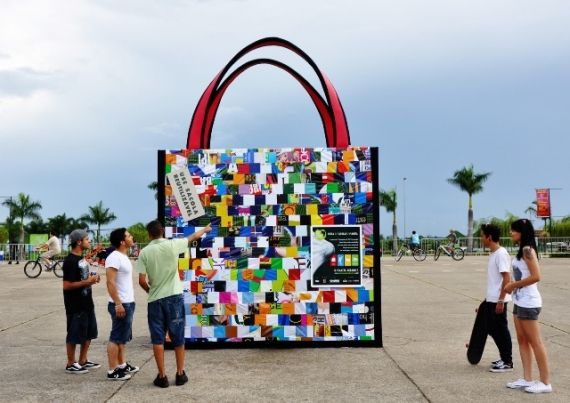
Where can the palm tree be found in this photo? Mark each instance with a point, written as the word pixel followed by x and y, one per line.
pixel 13 230
pixel 99 215
pixel 388 199
pixel 61 224
pixel 469 181
pixel 506 227
pixel 21 208
pixel 531 210
pixel 37 227
pixel 153 186
pixel 75 223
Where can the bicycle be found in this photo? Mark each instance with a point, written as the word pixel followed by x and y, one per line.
pixel 455 254
pixel 418 253
pixel 34 268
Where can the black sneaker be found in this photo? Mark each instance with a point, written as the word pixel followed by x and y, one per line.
pixel 502 367
pixel 496 362
pixel 130 369
pixel 181 379
pixel 90 365
pixel 118 374
pixel 161 382
pixel 75 368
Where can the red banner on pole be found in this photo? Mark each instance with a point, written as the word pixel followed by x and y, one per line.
pixel 543 203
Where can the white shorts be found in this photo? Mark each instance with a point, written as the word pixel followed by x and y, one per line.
pixel 49 254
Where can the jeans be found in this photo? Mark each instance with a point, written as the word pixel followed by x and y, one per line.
pixel 526 313
pixel 498 329
pixel 167 314
pixel 121 329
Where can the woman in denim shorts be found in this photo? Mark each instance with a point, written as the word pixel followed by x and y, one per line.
pixel 527 305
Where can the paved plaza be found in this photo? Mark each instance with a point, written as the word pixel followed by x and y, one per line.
pixel 427 314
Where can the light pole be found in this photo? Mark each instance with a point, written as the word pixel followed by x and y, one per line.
pixel 9 215
pixel 404 199
pixel 551 215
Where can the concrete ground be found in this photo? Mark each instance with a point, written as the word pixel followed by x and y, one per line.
pixel 427 308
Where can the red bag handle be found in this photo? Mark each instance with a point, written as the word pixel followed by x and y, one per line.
pixel 317 99
pixel 202 120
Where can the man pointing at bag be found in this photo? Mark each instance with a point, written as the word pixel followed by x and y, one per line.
pixel 158 276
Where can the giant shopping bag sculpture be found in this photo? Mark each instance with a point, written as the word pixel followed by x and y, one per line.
pixel 293 258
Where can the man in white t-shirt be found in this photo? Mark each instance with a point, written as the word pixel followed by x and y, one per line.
pixel 121 305
pixel 53 248
pixel 498 276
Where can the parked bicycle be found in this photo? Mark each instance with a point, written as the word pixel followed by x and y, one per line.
pixel 34 268
pixel 455 253
pixel 418 253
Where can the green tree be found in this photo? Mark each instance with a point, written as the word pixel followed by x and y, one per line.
pixel 98 215
pixel 389 200
pixel 503 224
pixel 37 227
pixel 561 227
pixel 75 223
pixel 471 183
pixel 139 233
pixel 531 210
pixel 13 229
pixel 21 208
pixel 154 187
pixel 59 224
pixel 4 234
pixel 62 225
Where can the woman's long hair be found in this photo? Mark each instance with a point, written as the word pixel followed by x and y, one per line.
pixel 525 228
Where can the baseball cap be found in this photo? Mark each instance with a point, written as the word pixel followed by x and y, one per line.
pixel 77 235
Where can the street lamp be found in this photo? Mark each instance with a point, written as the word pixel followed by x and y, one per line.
pixel 9 215
pixel 551 215
pixel 404 199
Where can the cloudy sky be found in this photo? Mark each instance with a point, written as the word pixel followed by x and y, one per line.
pixel 90 90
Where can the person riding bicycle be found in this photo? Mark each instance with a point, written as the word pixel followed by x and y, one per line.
pixel 54 248
pixel 414 241
pixel 451 240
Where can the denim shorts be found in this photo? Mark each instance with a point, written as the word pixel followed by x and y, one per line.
pixel 167 314
pixel 526 313
pixel 121 328
pixel 81 327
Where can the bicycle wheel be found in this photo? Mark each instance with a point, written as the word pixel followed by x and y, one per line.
pixel 419 254
pixel 458 254
pixel 33 269
pixel 58 269
pixel 399 255
pixel 436 254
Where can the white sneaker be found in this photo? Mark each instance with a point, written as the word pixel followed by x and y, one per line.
pixel 539 387
pixel 520 383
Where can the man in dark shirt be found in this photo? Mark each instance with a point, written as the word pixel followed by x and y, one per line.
pixel 79 308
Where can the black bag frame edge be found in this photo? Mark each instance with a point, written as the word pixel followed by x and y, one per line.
pixel 377 342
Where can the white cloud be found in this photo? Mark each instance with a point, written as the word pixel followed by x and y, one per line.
pixel 23 82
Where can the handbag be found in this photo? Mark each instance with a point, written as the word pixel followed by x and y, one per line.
pixel 293 258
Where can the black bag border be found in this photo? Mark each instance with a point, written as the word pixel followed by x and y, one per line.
pixel 377 342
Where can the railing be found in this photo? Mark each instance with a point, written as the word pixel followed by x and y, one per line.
pixel 15 253
pixel 552 246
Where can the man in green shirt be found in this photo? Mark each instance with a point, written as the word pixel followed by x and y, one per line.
pixel 158 276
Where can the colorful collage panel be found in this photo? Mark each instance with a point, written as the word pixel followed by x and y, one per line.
pixel 274 213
